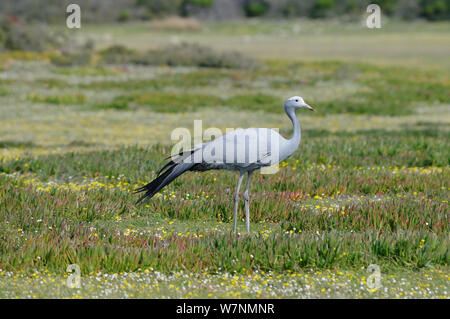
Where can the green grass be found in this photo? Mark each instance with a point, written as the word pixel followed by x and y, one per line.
pixel 354 88
pixel 352 191
pixel 60 230
pixel 167 102
pixel 58 99
pixel 345 151
pixel 368 184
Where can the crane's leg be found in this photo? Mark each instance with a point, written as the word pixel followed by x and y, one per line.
pixel 236 200
pixel 247 201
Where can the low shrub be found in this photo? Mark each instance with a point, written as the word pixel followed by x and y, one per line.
pixel 184 54
pixel 118 54
pixel 191 54
pixel 15 35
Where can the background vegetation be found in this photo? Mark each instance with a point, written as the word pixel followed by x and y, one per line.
pixel 86 117
pixel 126 10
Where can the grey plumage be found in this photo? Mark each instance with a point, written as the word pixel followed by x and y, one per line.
pixel 240 150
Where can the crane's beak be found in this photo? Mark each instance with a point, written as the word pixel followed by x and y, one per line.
pixel 309 107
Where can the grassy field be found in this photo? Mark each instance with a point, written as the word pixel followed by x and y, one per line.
pixel 368 185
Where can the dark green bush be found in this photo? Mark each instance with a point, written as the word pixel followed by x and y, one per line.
pixel 435 9
pixel 322 8
pixel 256 8
pixel 124 16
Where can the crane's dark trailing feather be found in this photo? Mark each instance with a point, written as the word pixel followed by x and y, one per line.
pixel 174 159
pixel 171 171
pixel 168 164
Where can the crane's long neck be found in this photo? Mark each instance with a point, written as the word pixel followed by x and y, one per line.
pixel 294 141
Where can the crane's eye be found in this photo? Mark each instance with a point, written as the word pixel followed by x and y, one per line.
pixel 296 100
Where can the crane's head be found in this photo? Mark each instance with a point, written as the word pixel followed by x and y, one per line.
pixel 296 102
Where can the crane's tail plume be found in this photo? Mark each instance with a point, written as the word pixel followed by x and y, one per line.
pixel 172 171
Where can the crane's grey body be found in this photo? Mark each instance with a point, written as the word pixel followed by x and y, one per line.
pixel 243 150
